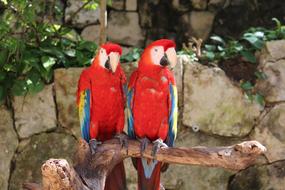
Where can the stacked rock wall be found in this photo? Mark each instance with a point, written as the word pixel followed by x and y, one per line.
pixel 137 22
pixel 213 112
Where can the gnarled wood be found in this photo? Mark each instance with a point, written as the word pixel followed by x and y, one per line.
pixel 91 170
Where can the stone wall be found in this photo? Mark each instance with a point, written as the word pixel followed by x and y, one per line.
pixel 213 112
pixel 137 22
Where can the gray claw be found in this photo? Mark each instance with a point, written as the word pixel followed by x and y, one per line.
pixel 157 144
pixel 93 144
pixel 144 144
pixel 123 140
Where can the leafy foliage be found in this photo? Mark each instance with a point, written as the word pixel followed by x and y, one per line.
pixel 132 56
pixel 251 41
pixel 32 45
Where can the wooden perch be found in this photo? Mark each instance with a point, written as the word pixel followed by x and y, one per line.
pixel 90 171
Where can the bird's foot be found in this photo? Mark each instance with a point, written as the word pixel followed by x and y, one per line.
pixel 158 144
pixel 144 143
pixel 93 144
pixel 123 139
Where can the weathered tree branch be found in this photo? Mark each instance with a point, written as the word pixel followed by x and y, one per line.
pixel 90 171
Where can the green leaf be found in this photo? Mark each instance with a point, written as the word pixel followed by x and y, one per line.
pixel 2 75
pixel 248 56
pixel 87 45
pixel 209 47
pixel 260 75
pixel 210 55
pixel 220 48
pixel 48 62
pixel 2 94
pixel 246 85
pixel 253 40
pixel 217 39
pixel 10 67
pixel 53 51
pixel 259 34
pixel 238 47
pixel 19 88
pixel 249 96
pixel 259 99
pixel 3 56
pixel 72 35
pixel 64 30
pixel 278 23
pixel 70 52
pixel 35 86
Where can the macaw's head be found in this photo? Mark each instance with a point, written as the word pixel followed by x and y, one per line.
pixel 108 56
pixel 159 54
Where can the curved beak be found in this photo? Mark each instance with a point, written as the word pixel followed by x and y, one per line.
pixel 171 56
pixel 114 61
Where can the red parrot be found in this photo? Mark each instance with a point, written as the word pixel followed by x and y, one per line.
pixel 100 98
pixel 152 107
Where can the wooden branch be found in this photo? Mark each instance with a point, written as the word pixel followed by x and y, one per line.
pixel 102 35
pixel 91 171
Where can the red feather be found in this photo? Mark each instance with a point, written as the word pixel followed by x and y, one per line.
pixel 110 47
pixel 150 106
pixel 107 107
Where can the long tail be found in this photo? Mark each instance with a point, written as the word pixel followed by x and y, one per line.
pixel 116 180
pixel 148 174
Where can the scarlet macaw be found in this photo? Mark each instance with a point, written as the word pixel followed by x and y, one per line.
pixel 152 107
pixel 100 98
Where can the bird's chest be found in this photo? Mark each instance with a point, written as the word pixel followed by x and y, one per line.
pixel 106 91
pixel 152 90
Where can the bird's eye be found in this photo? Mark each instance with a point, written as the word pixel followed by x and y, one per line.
pixel 155 50
pixel 101 51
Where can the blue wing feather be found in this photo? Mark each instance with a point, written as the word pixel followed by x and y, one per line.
pixel 84 114
pixel 131 132
pixel 172 116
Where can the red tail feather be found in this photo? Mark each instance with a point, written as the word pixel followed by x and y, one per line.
pixel 153 183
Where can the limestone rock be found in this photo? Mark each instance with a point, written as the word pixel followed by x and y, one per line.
pixel 124 28
pixel 270 132
pixel 272 87
pixel 131 174
pixel 199 4
pixel 198 23
pixel 260 177
pixel 274 50
pixel 131 5
pixel 42 147
pixel 216 5
pixel 118 4
pixel 65 90
pixel 83 17
pixel 213 104
pixel 272 64
pixel 35 113
pixel 196 177
pixel 8 145
pixel 91 33
pixel 178 74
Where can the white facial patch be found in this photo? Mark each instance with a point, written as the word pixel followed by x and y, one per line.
pixel 157 52
pixel 103 57
pixel 171 56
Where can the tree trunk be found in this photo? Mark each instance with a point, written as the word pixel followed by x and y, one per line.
pixel 103 20
pixel 90 171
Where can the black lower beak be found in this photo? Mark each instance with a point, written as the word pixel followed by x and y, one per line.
pixel 107 64
pixel 164 61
